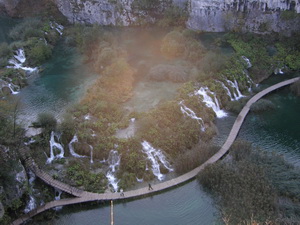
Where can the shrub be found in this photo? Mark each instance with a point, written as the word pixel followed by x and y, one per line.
pixel 46 120
pixel 244 190
pixel 28 28
pixel 191 159
pixel 39 53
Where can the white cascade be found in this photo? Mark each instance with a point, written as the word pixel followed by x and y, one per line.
pixel 57 197
pixel 31 205
pixel 140 180
pixel 59 28
pixel 235 85
pixel 249 81
pixel 190 113
pixel 18 60
pixel 114 162
pixel 54 144
pixel 278 71
pixel 92 151
pixel 227 90
pixel 87 117
pixel 11 87
pixel 71 148
pixel 213 104
pixel 247 61
pixel 156 157
pixel 30 141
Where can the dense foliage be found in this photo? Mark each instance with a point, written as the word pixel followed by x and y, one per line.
pixel 252 184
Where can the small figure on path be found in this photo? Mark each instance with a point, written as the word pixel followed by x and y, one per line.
pixel 121 192
pixel 150 187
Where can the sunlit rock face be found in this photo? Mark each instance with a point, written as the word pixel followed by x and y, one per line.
pixel 259 16
pixel 104 12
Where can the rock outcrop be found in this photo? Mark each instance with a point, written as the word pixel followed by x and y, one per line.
pixel 258 16
pixel 244 15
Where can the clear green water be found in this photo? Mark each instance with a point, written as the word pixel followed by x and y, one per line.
pixel 61 83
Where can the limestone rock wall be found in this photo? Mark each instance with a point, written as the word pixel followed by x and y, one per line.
pixel 246 15
pixel 104 12
pixel 260 16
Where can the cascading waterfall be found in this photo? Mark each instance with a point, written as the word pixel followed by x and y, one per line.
pixel 11 87
pixel 114 162
pixel 59 28
pixel 18 60
pixel 213 104
pixel 71 148
pixel 32 201
pixel 156 157
pixel 54 144
pixel 57 197
pixel 92 150
pixel 278 71
pixel 190 113
pixel 250 81
pixel 226 89
pixel 235 86
pixel 247 61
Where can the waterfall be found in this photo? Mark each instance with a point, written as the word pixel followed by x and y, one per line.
pixel 114 162
pixel 31 205
pixel 87 117
pixel 190 113
pixel 235 86
pixel 18 60
pixel 156 157
pixel 59 28
pixel 92 150
pixel 278 71
pixel 30 141
pixel 54 144
pixel 247 61
pixel 71 148
pixel 227 90
pixel 57 197
pixel 139 180
pixel 11 87
pixel 32 201
pixel 213 104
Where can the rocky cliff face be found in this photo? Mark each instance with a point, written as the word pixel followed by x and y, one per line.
pixel 245 15
pixel 216 16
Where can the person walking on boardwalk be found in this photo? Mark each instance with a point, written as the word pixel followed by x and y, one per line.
pixel 150 187
pixel 121 192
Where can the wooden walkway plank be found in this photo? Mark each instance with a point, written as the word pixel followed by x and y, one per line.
pixel 84 196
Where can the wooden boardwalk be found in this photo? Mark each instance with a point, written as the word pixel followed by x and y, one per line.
pixel 83 196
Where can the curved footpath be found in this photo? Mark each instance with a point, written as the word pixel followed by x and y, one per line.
pixel 84 196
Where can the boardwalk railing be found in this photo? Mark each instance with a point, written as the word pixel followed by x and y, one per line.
pixel 84 196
